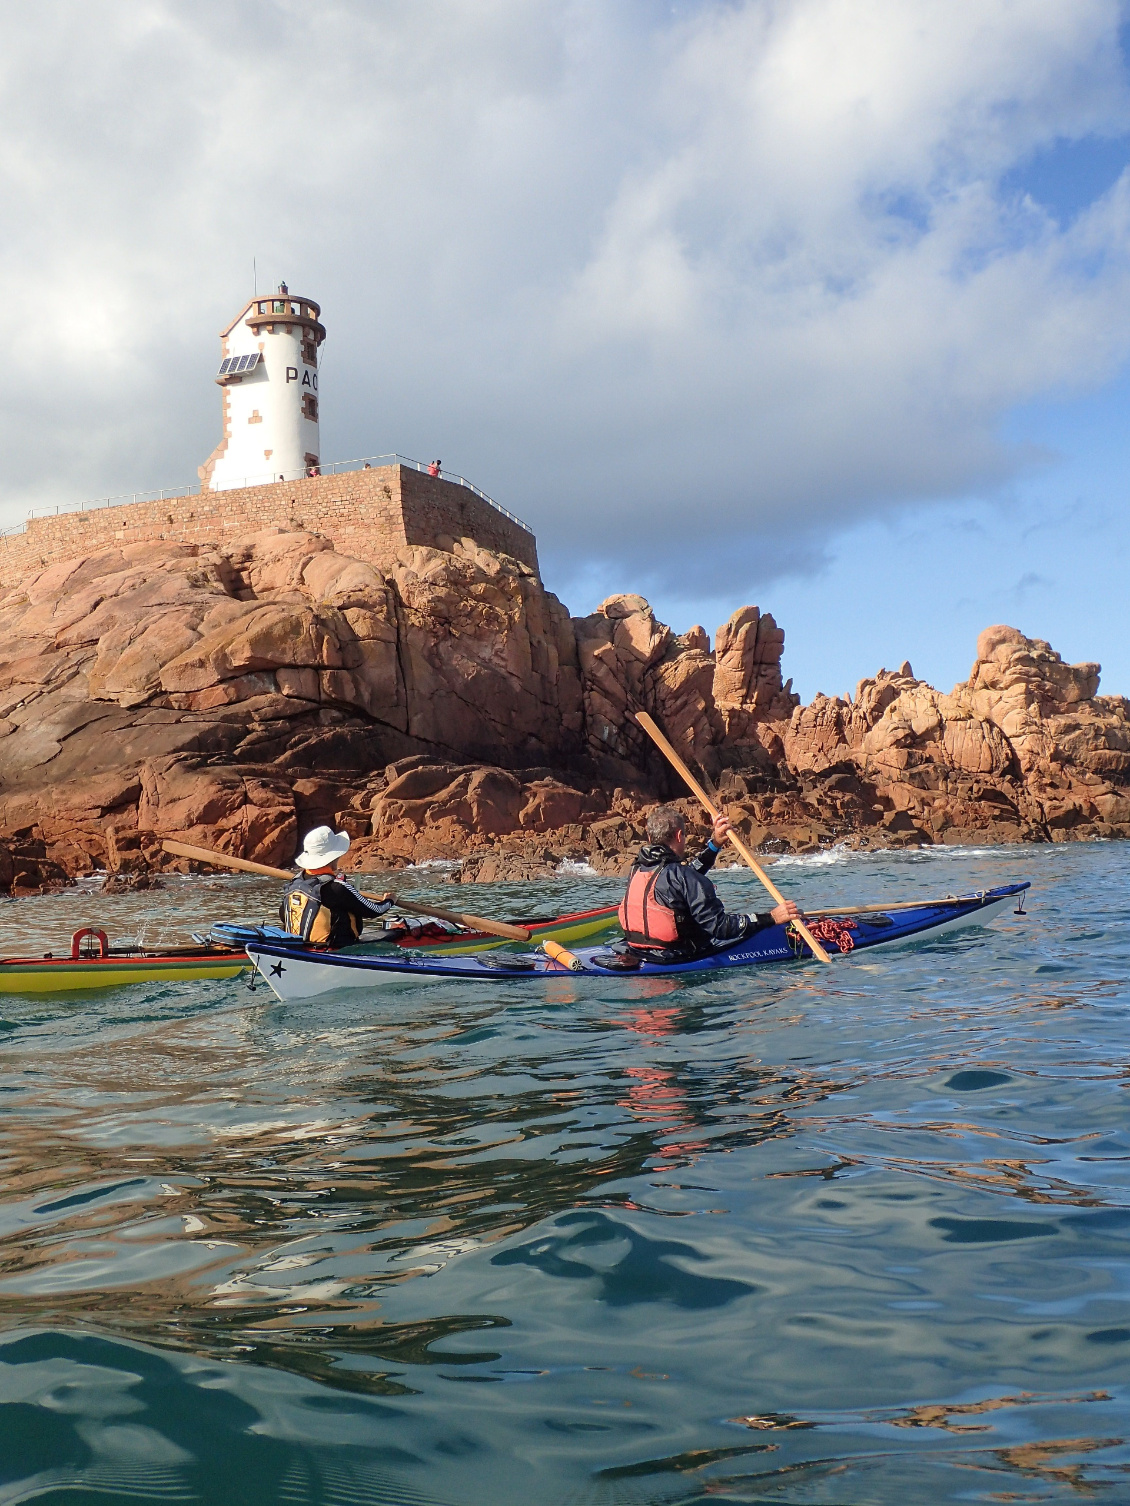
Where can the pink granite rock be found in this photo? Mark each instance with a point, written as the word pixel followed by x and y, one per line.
pixel 238 695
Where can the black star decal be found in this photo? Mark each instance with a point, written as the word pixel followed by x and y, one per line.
pixel 278 970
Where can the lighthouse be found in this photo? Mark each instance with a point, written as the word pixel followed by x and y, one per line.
pixel 268 380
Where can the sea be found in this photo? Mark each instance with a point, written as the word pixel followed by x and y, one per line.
pixel 820 1235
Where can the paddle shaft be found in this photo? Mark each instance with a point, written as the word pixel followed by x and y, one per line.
pixel 697 790
pixel 245 865
pixel 903 904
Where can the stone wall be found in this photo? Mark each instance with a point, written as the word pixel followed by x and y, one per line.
pixel 369 514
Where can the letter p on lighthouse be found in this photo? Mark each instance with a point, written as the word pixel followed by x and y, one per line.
pixel 268 381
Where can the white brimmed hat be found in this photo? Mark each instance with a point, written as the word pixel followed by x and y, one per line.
pixel 322 847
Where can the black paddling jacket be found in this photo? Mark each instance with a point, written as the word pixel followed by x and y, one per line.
pixel 701 922
pixel 326 911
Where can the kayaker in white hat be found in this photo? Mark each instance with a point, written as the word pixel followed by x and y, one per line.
pixel 320 907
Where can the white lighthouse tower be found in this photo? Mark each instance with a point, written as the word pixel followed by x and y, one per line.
pixel 269 382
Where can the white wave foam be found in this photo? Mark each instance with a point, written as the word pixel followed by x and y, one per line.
pixel 572 868
pixel 831 857
pixel 834 856
pixel 436 865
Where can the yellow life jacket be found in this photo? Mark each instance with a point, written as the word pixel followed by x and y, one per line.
pixel 304 915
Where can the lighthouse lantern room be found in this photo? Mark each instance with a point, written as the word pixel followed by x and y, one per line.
pixel 268 381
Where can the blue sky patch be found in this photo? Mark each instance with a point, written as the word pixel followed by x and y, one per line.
pixel 1069 176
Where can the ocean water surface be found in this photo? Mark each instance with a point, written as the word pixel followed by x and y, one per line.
pixel 809 1235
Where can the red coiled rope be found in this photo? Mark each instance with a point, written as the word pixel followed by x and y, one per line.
pixel 834 932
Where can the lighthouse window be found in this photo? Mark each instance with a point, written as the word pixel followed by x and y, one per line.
pixel 310 408
pixel 278 307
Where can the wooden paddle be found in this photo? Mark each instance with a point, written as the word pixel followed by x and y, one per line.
pixel 244 865
pixel 903 904
pixel 697 790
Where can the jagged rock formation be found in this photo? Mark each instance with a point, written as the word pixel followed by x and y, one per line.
pixel 447 706
pixel 1023 750
pixel 630 662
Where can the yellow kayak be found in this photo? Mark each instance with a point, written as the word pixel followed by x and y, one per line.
pixel 99 965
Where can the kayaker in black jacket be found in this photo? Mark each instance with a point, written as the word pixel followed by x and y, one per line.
pixel 320 907
pixel 671 912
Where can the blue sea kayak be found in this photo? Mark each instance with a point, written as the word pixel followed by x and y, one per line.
pixel 297 972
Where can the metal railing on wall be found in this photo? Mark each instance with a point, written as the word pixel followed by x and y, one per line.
pixel 334 468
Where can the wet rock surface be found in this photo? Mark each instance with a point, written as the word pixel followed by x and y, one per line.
pixel 451 711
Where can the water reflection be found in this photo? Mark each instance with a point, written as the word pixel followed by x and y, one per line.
pixel 258 1207
pixel 858 1237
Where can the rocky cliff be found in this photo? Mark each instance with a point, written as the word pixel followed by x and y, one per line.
pixel 449 707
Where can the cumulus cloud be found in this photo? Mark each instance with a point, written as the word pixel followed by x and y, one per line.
pixel 655 277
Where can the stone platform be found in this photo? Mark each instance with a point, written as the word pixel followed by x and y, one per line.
pixel 368 514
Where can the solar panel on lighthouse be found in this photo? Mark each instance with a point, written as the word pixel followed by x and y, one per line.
pixel 237 364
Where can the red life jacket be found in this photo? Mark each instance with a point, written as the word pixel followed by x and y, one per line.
pixel 644 921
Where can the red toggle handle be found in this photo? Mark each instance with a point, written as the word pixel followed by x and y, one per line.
pixel 79 936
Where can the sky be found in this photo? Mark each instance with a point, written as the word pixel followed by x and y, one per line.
pixel 820 304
